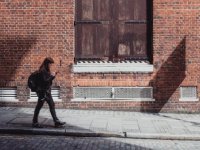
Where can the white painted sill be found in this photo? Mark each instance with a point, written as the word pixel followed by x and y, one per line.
pixel 107 67
pixel 4 100
pixel 113 100
pixel 188 99
pixel 36 99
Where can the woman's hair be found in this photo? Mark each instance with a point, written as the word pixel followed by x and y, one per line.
pixel 45 64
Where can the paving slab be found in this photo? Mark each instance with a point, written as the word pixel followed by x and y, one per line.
pixel 104 123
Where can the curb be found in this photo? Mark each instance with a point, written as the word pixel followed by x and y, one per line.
pixel 182 137
pixel 85 133
pixel 61 132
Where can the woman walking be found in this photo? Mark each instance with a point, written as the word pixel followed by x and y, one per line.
pixel 45 78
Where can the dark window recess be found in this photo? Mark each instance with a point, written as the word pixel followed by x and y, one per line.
pixel 113 30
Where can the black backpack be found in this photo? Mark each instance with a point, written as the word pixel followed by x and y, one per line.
pixel 33 81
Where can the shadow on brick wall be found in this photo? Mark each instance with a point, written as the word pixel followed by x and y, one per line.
pixel 13 50
pixel 168 78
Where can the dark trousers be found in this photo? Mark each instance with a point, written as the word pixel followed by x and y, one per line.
pixel 48 98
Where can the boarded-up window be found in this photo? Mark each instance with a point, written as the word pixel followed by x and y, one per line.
pixel 111 29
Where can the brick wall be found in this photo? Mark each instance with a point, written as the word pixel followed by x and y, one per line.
pixel 32 30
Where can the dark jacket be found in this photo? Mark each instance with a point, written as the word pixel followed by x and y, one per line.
pixel 45 81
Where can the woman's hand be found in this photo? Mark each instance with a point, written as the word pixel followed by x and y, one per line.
pixel 54 73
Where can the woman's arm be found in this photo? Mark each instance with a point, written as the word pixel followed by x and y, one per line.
pixel 47 77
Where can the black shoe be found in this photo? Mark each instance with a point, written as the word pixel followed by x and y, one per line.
pixel 59 123
pixel 36 125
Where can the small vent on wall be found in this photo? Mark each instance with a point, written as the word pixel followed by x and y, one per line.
pixel 113 93
pixel 188 93
pixel 55 92
pixel 8 94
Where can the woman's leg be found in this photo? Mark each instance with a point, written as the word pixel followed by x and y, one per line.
pixel 51 104
pixel 38 106
pixel 37 110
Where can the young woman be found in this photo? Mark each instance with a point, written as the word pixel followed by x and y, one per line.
pixel 46 76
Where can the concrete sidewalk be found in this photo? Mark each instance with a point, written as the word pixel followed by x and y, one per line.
pixel 103 123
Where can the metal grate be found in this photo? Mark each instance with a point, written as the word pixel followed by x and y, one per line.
pixel 113 92
pixel 33 95
pixel 92 92
pixel 8 94
pixel 188 92
pixel 110 62
pixel 133 92
pixel 55 92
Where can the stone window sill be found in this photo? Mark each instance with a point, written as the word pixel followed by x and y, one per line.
pixel 35 100
pixel 109 67
pixel 113 100
pixel 4 100
pixel 188 99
